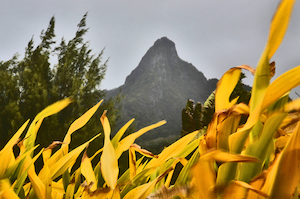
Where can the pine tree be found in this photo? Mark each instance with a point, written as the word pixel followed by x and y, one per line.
pixel 29 85
pixel 10 115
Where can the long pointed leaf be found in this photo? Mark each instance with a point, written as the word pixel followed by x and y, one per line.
pixel 279 25
pixel 225 87
pixel 59 167
pixel 87 171
pixel 109 161
pixel 120 133
pixel 79 123
pixel 125 143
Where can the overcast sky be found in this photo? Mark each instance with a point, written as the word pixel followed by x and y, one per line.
pixel 213 35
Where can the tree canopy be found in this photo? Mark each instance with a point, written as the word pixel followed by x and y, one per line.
pixel 28 85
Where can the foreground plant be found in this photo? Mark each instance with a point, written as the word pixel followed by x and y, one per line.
pixel 54 180
pixel 274 171
pixel 258 159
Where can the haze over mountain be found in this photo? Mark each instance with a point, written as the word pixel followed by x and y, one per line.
pixel 158 89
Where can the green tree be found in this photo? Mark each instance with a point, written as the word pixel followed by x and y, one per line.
pixel 10 115
pixel 195 117
pixel 31 84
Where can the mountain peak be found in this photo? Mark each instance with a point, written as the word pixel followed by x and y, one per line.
pixel 159 87
pixel 164 41
pixel 158 58
pixel 163 47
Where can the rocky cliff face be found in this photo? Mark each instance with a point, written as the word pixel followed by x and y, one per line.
pixel 159 87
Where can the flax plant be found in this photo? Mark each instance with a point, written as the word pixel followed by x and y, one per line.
pixel 258 159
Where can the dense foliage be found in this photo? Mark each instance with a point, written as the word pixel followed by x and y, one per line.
pixel 32 83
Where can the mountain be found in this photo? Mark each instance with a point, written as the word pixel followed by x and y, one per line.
pixel 158 88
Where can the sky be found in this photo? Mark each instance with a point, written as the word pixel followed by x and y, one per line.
pixel 213 35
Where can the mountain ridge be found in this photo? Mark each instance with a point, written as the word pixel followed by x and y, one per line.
pixel 159 87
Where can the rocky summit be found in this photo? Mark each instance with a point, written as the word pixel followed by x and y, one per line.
pixel 158 89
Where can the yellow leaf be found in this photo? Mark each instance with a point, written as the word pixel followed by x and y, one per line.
pixel 12 168
pixel 223 124
pixel 144 190
pixel 279 25
pixel 61 165
pixel 239 189
pixel 249 187
pixel 281 142
pixel 53 109
pixel 283 176
pixel 120 133
pixel 225 128
pixel 79 123
pixel 261 81
pixel 87 171
pixel 278 88
pixel 172 150
pixel 6 154
pixel 47 180
pixel 143 151
pixel 257 183
pixel 132 163
pixel 109 162
pixel 79 192
pixel 204 176
pixel 14 139
pixel 132 158
pixel 241 109
pixel 70 189
pixel 225 87
pixel 7 159
pixel 281 86
pixel 6 191
pixel 211 133
pixel 106 193
pixel 170 174
pixel 50 110
pixel 277 31
pixel 45 174
pixel 116 194
pixel 184 175
pixel 58 187
pixel 26 188
pixel 235 191
pixel 292 105
pixel 262 148
pixel 125 143
pixel 95 154
pixel 227 171
pixel 221 156
pixel 47 152
pixel 246 67
pixel 140 166
pixel 21 147
pixel 37 184
pixel 183 161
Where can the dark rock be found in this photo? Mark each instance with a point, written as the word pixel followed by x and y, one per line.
pixel 158 89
